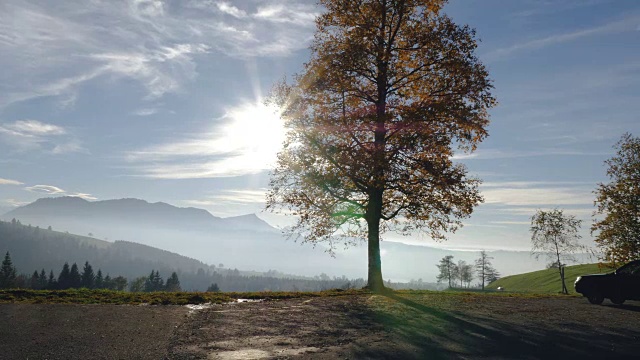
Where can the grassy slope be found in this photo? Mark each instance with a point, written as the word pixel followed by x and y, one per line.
pixel 546 281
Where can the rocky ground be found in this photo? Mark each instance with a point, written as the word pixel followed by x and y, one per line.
pixel 419 325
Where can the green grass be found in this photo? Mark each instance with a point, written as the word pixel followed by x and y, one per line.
pixel 545 281
pixel 85 296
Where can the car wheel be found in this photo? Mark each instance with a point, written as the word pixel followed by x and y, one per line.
pixel 617 300
pixel 596 299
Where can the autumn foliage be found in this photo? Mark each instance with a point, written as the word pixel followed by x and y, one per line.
pixel 392 90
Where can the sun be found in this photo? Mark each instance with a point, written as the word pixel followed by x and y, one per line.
pixel 254 133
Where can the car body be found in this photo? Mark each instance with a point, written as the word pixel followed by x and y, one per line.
pixel 618 286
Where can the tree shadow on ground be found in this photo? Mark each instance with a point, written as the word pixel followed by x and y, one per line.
pixel 421 331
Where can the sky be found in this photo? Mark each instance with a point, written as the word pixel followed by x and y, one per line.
pixel 163 101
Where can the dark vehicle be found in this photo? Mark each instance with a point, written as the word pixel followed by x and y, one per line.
pixel 618 286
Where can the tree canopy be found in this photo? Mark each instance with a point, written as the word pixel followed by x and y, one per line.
pixel 617 223
pixel 391 91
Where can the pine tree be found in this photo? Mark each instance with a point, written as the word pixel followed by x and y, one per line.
pixel 107 283
pixel 88 278
pixel 52 284
pixel 213 288
pixel 7 273
pixel 173 283
pixel 42 279
pixel 74 277
pixel 99 282
pixel 64 281
pixel 34 282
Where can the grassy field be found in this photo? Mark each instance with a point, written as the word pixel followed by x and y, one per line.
pixel 546 281
pixel 84 296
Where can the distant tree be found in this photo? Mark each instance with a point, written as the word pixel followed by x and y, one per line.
pixel 34 282
pixel 7 273
pixel 13 221
pixel 49 228
pixel 88 278
pixel 465 273
pixel 173 283
pixel 154 282
pixel 75 279
pixel 484 269
pixel 137 285
pixel 447 270
pixel 90 234
pixel 64 279
pixel 107 283
pixel 213 288
pixel 42 279
pixel 617 219
pixel 119 283
pixel 555 236
pixel 52 284
pixel 99 281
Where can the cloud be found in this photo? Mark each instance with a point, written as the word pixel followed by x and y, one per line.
pixel 231 10
pixel 619 26
pixel 240 197
pixel 56 47
pixel 245 141
pixel 54 190
pixel 145 111
pixel 9 182
pixel 27 135
pixel 45 189
pixel 15 203
pixel 489 154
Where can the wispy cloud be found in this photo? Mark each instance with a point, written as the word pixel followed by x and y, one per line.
pixel 15 202
pixel 9 182
pixel 245 141
pixel 36 135
pixel 45 189
pixel 226 197
pixel 57 46
pixel 54 190
pixel 489 154
pixel 619 26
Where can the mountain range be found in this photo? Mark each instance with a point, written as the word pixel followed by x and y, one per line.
pixel 244 242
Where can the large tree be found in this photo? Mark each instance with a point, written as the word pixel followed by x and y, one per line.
pixel 555 235
pixel 617 224
pixel 391 91
pixel 7 273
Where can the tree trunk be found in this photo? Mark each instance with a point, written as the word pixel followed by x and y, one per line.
pixel 374 282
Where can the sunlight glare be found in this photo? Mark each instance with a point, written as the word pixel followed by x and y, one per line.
pixel 255 132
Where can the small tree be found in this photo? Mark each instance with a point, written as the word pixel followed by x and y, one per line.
pixel 34 282
pixel 8 274
pixel 213 288
pixel 485 269
pixel 75 279
pixel 64 280
pixel 137 285
pixel 52 284
pixel 173 283
pixel 154 282
pixel 88 278
pixel 119 283
pixel 465 273
pixel 42 280
pixel 618 233
pixel 99 281
pixel 447 270
pixel 555 236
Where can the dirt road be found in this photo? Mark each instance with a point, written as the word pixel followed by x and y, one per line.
pixel 423 325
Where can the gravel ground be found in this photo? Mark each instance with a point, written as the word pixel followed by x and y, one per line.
pixel 418 326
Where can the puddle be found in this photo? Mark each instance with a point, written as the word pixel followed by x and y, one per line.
pixel 197 307
pixel 248 300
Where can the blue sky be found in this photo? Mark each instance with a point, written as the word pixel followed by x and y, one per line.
pixel 161 100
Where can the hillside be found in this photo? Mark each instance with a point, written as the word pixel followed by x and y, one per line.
pixel 33 248
pixel 545 281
